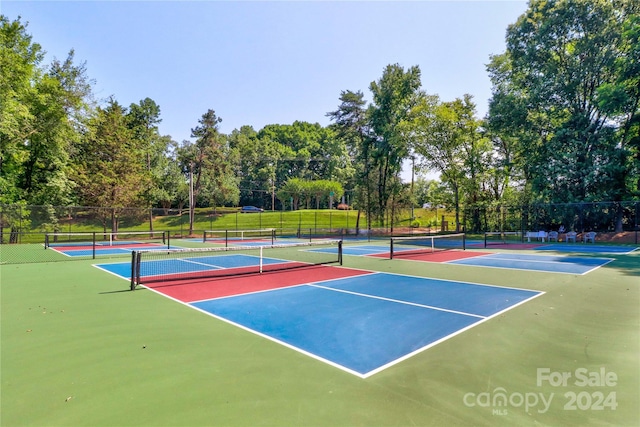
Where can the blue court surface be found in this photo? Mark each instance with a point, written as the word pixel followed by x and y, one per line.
pixel 545 263
pixel 366 323
pixel 587 248
pixel 188 265
pixel 112 250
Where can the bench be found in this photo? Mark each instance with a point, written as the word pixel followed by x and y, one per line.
pixel 541 235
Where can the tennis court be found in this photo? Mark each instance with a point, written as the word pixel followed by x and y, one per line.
pixel 365 323
pixel 209 340
pixel 84 250
pixel 105 244
pixel 450 250
pixel 356 320
pixel 586 248
pixel 542 263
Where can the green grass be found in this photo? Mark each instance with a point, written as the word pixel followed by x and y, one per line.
pixel 80 350
pixel 225 219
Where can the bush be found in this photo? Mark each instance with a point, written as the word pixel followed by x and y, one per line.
pixel 415 224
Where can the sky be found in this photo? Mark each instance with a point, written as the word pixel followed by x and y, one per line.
pixel 267 62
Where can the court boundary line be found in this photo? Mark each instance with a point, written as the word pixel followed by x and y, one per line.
pixel 457 263
pixel 276 289
pixel 277 341
pixel 566 245
pixel 508 255
pixel 98 266
pixel 458 332
pixel 449 280
pixel 368 374
pixel 382 367
pixel 462 313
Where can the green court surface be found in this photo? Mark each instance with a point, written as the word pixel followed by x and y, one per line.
pixel 80 349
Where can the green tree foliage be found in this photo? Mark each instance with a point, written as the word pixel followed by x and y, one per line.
pixel 351 124
pixel 110 170
pixel 395 96
pixel 448 139
pixel 563 126
pixel 60 109
pixel 170 187
pixel 209 162
pixel 143 120
pixel 307 151
pixel 41 115
pixel 20 60
pixel 310 191
pixel 256 165
pixel 565 98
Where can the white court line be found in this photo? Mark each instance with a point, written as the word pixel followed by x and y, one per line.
pixel 510 257
pixel 462 263
pixel 398 301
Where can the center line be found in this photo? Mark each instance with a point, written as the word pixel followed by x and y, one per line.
pixel 399 301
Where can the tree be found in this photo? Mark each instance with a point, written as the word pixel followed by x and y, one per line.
pixel 352 126
pixel 60 109
pixel 143 120
pixel 41 116
pixel 110 172
pixel 20 60
pixel 394 97
pixel 448 140
pixel 307 151
pixel 209 164
pixel 293 189
pixel 256 165
pixel 169 183
pixel 570 74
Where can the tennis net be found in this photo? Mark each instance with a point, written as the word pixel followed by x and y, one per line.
pixel 201 263
pixel 100 238
pixel 418 245
pixel 500 238
pixel 229 237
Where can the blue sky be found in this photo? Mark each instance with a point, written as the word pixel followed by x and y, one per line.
pixel 257 63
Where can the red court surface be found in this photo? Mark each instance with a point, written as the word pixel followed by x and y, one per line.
pixel 441 256
pixel 202 289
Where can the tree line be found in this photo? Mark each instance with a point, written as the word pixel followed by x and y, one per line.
pixel 563 126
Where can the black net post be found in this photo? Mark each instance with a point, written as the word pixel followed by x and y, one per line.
pixel 94 245
pixel 133 270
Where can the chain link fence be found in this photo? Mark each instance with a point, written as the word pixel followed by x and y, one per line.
pixel 612 220
pixel 23 228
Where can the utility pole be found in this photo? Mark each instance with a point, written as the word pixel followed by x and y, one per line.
pixel 413 168
pixel 192 209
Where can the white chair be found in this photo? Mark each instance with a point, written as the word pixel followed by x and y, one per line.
pixel 553 235
pixel 589 237
pixel 542 235
pixel 571 235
